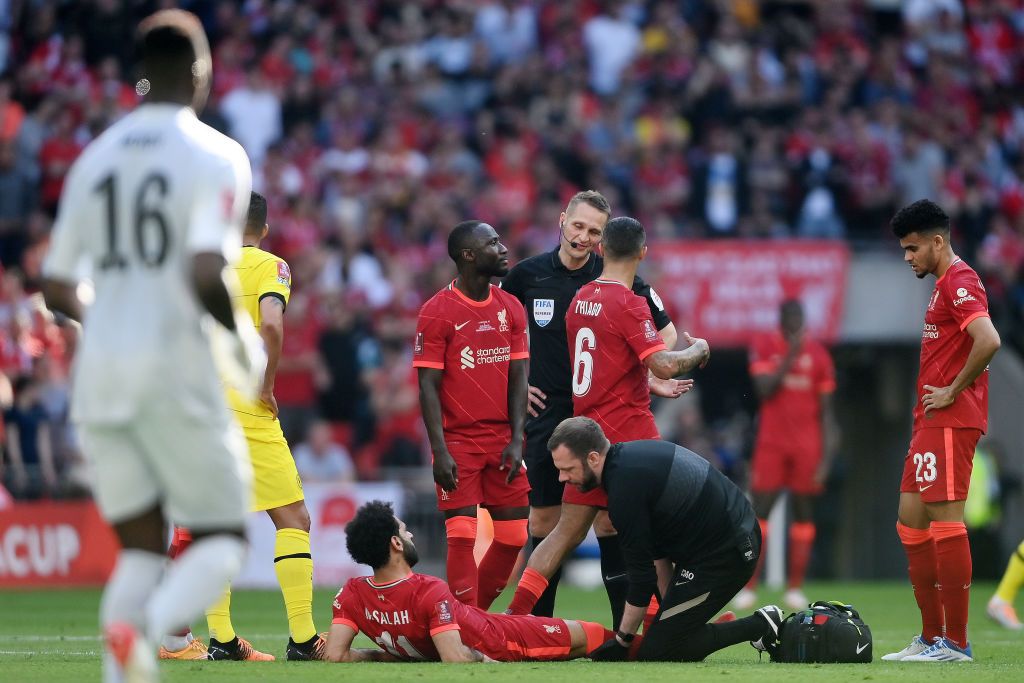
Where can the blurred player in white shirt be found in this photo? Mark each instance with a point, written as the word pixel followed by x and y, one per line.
pixel 152 212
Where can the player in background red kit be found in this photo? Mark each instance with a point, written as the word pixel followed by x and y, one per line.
pixel 472 360
pixel 414 617
pixel 613 342
pixel 950 415
pixel 794 378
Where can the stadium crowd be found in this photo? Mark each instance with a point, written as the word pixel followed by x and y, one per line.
pixel 375 126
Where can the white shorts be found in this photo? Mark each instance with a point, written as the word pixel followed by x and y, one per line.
pixel 196 469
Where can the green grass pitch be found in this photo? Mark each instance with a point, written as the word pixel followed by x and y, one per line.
pixel 51 636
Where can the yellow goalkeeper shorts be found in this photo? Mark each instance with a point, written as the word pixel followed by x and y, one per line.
pixel 276 482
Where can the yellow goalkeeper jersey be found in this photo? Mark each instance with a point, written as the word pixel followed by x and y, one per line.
pixel 260 274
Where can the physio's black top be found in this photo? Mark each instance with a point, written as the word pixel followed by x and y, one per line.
pixel 546 287
pixel 667 501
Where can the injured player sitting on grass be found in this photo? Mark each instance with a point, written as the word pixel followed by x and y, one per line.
pixel 415 617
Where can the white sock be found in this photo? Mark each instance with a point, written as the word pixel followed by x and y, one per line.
pixel 175 643
pixel 135 577
pixel 194 582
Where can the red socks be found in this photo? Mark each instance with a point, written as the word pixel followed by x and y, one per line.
pixel 922 565
pixel 953 555
pixel 181 540
pixel 497 564
pixel 801 540
pixel 462 571
pixel 652 611
pixel 596 634
pixel 531 586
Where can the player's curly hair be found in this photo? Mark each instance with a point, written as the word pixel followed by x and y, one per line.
pixel 369 533
pixel 923 216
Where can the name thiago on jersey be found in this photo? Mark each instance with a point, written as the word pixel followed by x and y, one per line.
pixel 589 308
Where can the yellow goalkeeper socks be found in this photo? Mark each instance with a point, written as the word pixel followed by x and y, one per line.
pixel 293 564
pixel 1013 579
pixel 218 618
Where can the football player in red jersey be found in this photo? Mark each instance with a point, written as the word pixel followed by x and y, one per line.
pixel 794 378
pixel 951 414
pixel 415 617
pixel 472 360
pixel 613 342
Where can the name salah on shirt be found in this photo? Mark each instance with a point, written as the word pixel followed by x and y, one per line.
pixel 388 618
pixel 591 308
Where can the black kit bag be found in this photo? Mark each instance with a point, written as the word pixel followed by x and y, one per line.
pixel 826 632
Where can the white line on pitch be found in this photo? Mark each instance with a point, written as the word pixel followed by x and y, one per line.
pixel 51 653
pixel 56 639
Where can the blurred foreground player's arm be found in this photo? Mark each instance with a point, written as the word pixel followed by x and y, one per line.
pixel 61 283
pixel 240 356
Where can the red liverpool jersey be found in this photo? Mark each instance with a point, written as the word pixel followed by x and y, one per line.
pixel 402 617
pixel 792 415
pixel 958 299
pixel 610 332
pixel 473 342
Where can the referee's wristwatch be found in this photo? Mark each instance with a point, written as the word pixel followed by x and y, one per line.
pixel 625 639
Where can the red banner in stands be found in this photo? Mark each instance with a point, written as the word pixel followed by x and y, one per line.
pixel 726 291
pixel 55 544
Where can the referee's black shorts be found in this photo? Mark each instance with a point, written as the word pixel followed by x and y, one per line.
pixel 699 589
pixel 545 489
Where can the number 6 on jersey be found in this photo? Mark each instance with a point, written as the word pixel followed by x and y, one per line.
pixel 583 361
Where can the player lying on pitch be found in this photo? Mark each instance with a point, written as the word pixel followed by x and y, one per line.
pixel 415 617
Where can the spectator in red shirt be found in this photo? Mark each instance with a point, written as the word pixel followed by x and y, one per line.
pixel 56 157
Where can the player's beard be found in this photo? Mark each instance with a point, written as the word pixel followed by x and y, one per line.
pixel 410 553
pixel 590 481
pixel 498 270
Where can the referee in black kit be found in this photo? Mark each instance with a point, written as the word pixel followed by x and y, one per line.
pixel 667 501
pixel 546 284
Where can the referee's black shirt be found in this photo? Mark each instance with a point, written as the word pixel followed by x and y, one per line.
pixel 667 501
pixel 546 287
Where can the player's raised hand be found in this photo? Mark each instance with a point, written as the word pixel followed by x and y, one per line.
pixel 669 388
pixel 701 344
pixel 537 401
pixel 446 472
pixel 936 398
pixel 512 459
